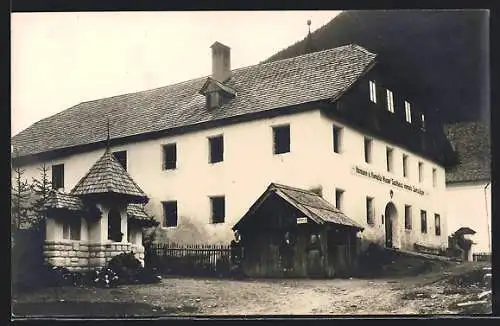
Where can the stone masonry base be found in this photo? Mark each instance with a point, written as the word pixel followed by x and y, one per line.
pixel 80 256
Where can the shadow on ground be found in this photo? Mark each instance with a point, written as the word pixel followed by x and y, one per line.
pixel 95 309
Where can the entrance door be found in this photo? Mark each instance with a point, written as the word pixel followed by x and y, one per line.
pixel 388 231
pixel 390 221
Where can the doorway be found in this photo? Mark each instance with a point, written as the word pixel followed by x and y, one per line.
pixel 390 225
pixel 114 226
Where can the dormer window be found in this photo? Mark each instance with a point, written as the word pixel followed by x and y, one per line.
pixel 216 93
pixel 213 100
pixel 390 101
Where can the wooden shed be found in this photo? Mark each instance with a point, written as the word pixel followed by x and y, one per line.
pixel 284 212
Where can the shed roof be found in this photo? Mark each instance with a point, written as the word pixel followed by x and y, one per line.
pixel 309 203
pixel 311 77
pixel 107 176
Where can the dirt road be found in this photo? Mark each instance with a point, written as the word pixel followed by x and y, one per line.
pixel 188 296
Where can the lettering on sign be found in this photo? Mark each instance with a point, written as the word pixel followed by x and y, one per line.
pixel 390 181
pixel 301 220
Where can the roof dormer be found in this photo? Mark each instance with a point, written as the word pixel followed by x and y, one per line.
pixel 214 89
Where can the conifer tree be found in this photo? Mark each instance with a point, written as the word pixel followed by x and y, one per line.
pixel 41 189
pixel 20 200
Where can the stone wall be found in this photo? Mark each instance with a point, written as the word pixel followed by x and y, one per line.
pixel 83 256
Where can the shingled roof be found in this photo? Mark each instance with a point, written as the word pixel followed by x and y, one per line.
pixel 308 202
pixel 472 146
pixel 59 200
pixel 307 78
pixel 137 215
pixel 107 176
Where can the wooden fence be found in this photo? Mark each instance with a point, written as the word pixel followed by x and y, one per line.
pixel 189 260
pixel 481 256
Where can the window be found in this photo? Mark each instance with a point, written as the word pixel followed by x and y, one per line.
pixel 58 176
pixel 337 139
pixel 72 229
pixel 389 152
pixel 390 101
pixel 281 137
pixel 423 221
pixel 339 194
pixel 434 177
pixel 437 223
pixel 420 172
pixel 422 118
pixel 218 209
pixel 170 156
pixel 368 150
pixel 369 210
pixel 121 157
pixel 216 147
pixel 170 213
pixel 405 165
pixel 408 111
pixel 373 92
pixel 407 217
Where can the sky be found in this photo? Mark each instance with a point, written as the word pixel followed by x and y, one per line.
pixel 61 59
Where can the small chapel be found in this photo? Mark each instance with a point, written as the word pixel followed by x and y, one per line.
pixel 101 217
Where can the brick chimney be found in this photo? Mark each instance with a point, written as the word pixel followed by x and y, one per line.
pixel 221 62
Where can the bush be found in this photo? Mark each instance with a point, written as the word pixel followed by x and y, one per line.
pixel 125 269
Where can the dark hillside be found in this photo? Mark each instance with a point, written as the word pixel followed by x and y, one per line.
pixel 440 57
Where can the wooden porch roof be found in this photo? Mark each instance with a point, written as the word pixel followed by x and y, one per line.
pixel 307 202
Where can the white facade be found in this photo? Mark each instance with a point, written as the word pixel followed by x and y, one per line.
pixel 249 166
pixel 469 205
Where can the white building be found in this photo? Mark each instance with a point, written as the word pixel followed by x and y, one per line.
pixel 468 182
pixel 205 149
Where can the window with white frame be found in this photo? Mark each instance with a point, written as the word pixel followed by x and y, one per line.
pixel 389 152
pixel 408 217
pixel 422 118
pixel 368 150
pixel 72 228
pixel 373 92
pixel 408 111
pixel 405 165
pixel 369 211
pixel 420 172
pixel 339 196
pixel 390 101
pixel 337 139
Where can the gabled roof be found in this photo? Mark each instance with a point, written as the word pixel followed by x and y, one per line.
pixel 107 176
pixel 213 84
pixel 309 203
pixel 59 200
pixel 472 145
pixel 312 77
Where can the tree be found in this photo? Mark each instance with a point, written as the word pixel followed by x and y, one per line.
pixel 41 188
pixel 20 200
